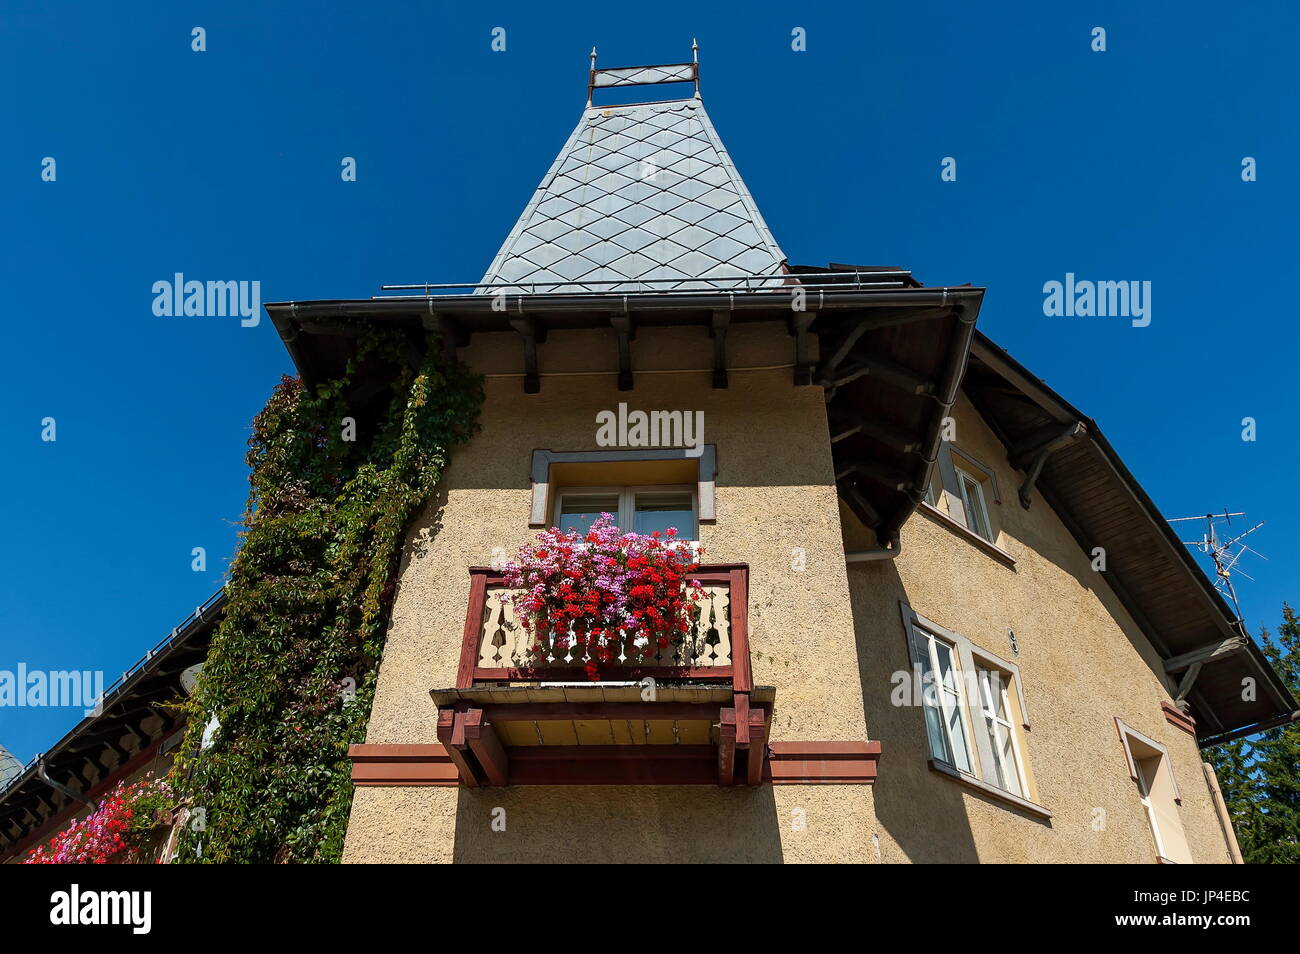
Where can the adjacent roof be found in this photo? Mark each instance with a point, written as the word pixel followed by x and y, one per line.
pixel 639 193
pixel 96 753
pixel 1148 568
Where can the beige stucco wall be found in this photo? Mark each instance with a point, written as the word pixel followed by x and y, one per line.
pixel 775 493
pixel 1083 663
pixel 819 636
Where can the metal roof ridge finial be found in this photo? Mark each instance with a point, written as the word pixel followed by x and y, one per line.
pixel 695 58
pixel 591 83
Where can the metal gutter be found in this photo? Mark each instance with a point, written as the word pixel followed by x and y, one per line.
pixel 1249 730
pixel 604 302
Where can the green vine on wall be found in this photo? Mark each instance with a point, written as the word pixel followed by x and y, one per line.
pixel 291 672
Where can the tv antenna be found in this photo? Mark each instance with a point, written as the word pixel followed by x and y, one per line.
pixel 1222 553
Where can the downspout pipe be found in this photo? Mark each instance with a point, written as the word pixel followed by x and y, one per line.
pixel 44 776
pixel 958 356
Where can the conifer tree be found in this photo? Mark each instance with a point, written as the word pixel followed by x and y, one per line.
pixel 1260 776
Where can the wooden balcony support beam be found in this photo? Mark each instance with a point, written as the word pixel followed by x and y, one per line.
pixel 486 746
pixel 451 733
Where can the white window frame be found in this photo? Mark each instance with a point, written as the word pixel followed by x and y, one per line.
pixel 971 661
pixel 626 515
pixel 1144 790
pixel 947 707
pixel 1000 726
pixel 974 506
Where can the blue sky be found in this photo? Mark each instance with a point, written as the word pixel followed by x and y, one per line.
pixel 224 164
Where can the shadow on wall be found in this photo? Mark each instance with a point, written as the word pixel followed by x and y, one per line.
pixel 923 812
pixel 614 824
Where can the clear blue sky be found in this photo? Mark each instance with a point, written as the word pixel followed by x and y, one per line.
pixel 225 165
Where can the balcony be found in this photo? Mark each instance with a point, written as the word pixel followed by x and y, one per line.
pixel 684 715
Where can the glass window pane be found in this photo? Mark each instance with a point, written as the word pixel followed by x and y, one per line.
pixel 930 698
pixel 580 511
pixel 950 699
pixel 1011 776
pixel 661 511
pixel 976 517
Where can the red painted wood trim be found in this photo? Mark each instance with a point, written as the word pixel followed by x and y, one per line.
pixel 738 600
pixel 447 721
pixel 473 629
pixel 756 763
pixel 823 763
pixel 825 750
pixel 487 748
pixel 396 752
pixel 788 763
pixel 564 711
pixel 723 674
pixel 617 753
pixel 1176 716
pixel 834 772
pixel 727 747
pixel 741 705
pixel 735 575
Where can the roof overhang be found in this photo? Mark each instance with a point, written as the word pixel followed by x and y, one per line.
pixel 1148 568
pixel 30 807
pixel 892 354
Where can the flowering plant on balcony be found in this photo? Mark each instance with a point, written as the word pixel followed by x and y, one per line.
pixel 117 830
pixel 604 594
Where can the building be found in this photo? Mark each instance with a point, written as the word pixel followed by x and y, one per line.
pixel 133 731
pixel 944 622
pixel 879 488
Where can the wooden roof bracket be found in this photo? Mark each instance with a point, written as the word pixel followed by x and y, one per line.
pixel 1037 449
pixel 533 334
pixel 626 333
pixel 718 332
pixel 799 323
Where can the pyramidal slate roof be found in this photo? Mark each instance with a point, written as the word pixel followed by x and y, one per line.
pixel 641 197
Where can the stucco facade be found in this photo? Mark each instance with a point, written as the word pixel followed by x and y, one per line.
pixel 826 634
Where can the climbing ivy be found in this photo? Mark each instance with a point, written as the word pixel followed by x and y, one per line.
pixel 291 672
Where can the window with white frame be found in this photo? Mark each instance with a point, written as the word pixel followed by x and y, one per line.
pixel 973 504
pixel 999 731
pixel 964 488
pixel 1150 768
pixel 941 697
pixel 974 707
pixel 644 510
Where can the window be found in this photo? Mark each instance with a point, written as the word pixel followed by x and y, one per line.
pixel 963 488
pixel 972 501
pixel 941 698
pixel 638 509
pixel 974 709
pixel 1149 766
pixel 614 471
pixel 999 731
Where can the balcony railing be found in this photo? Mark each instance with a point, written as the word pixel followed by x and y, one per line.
pixel 496 649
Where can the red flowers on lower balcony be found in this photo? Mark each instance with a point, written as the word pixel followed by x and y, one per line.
pixel 604 598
